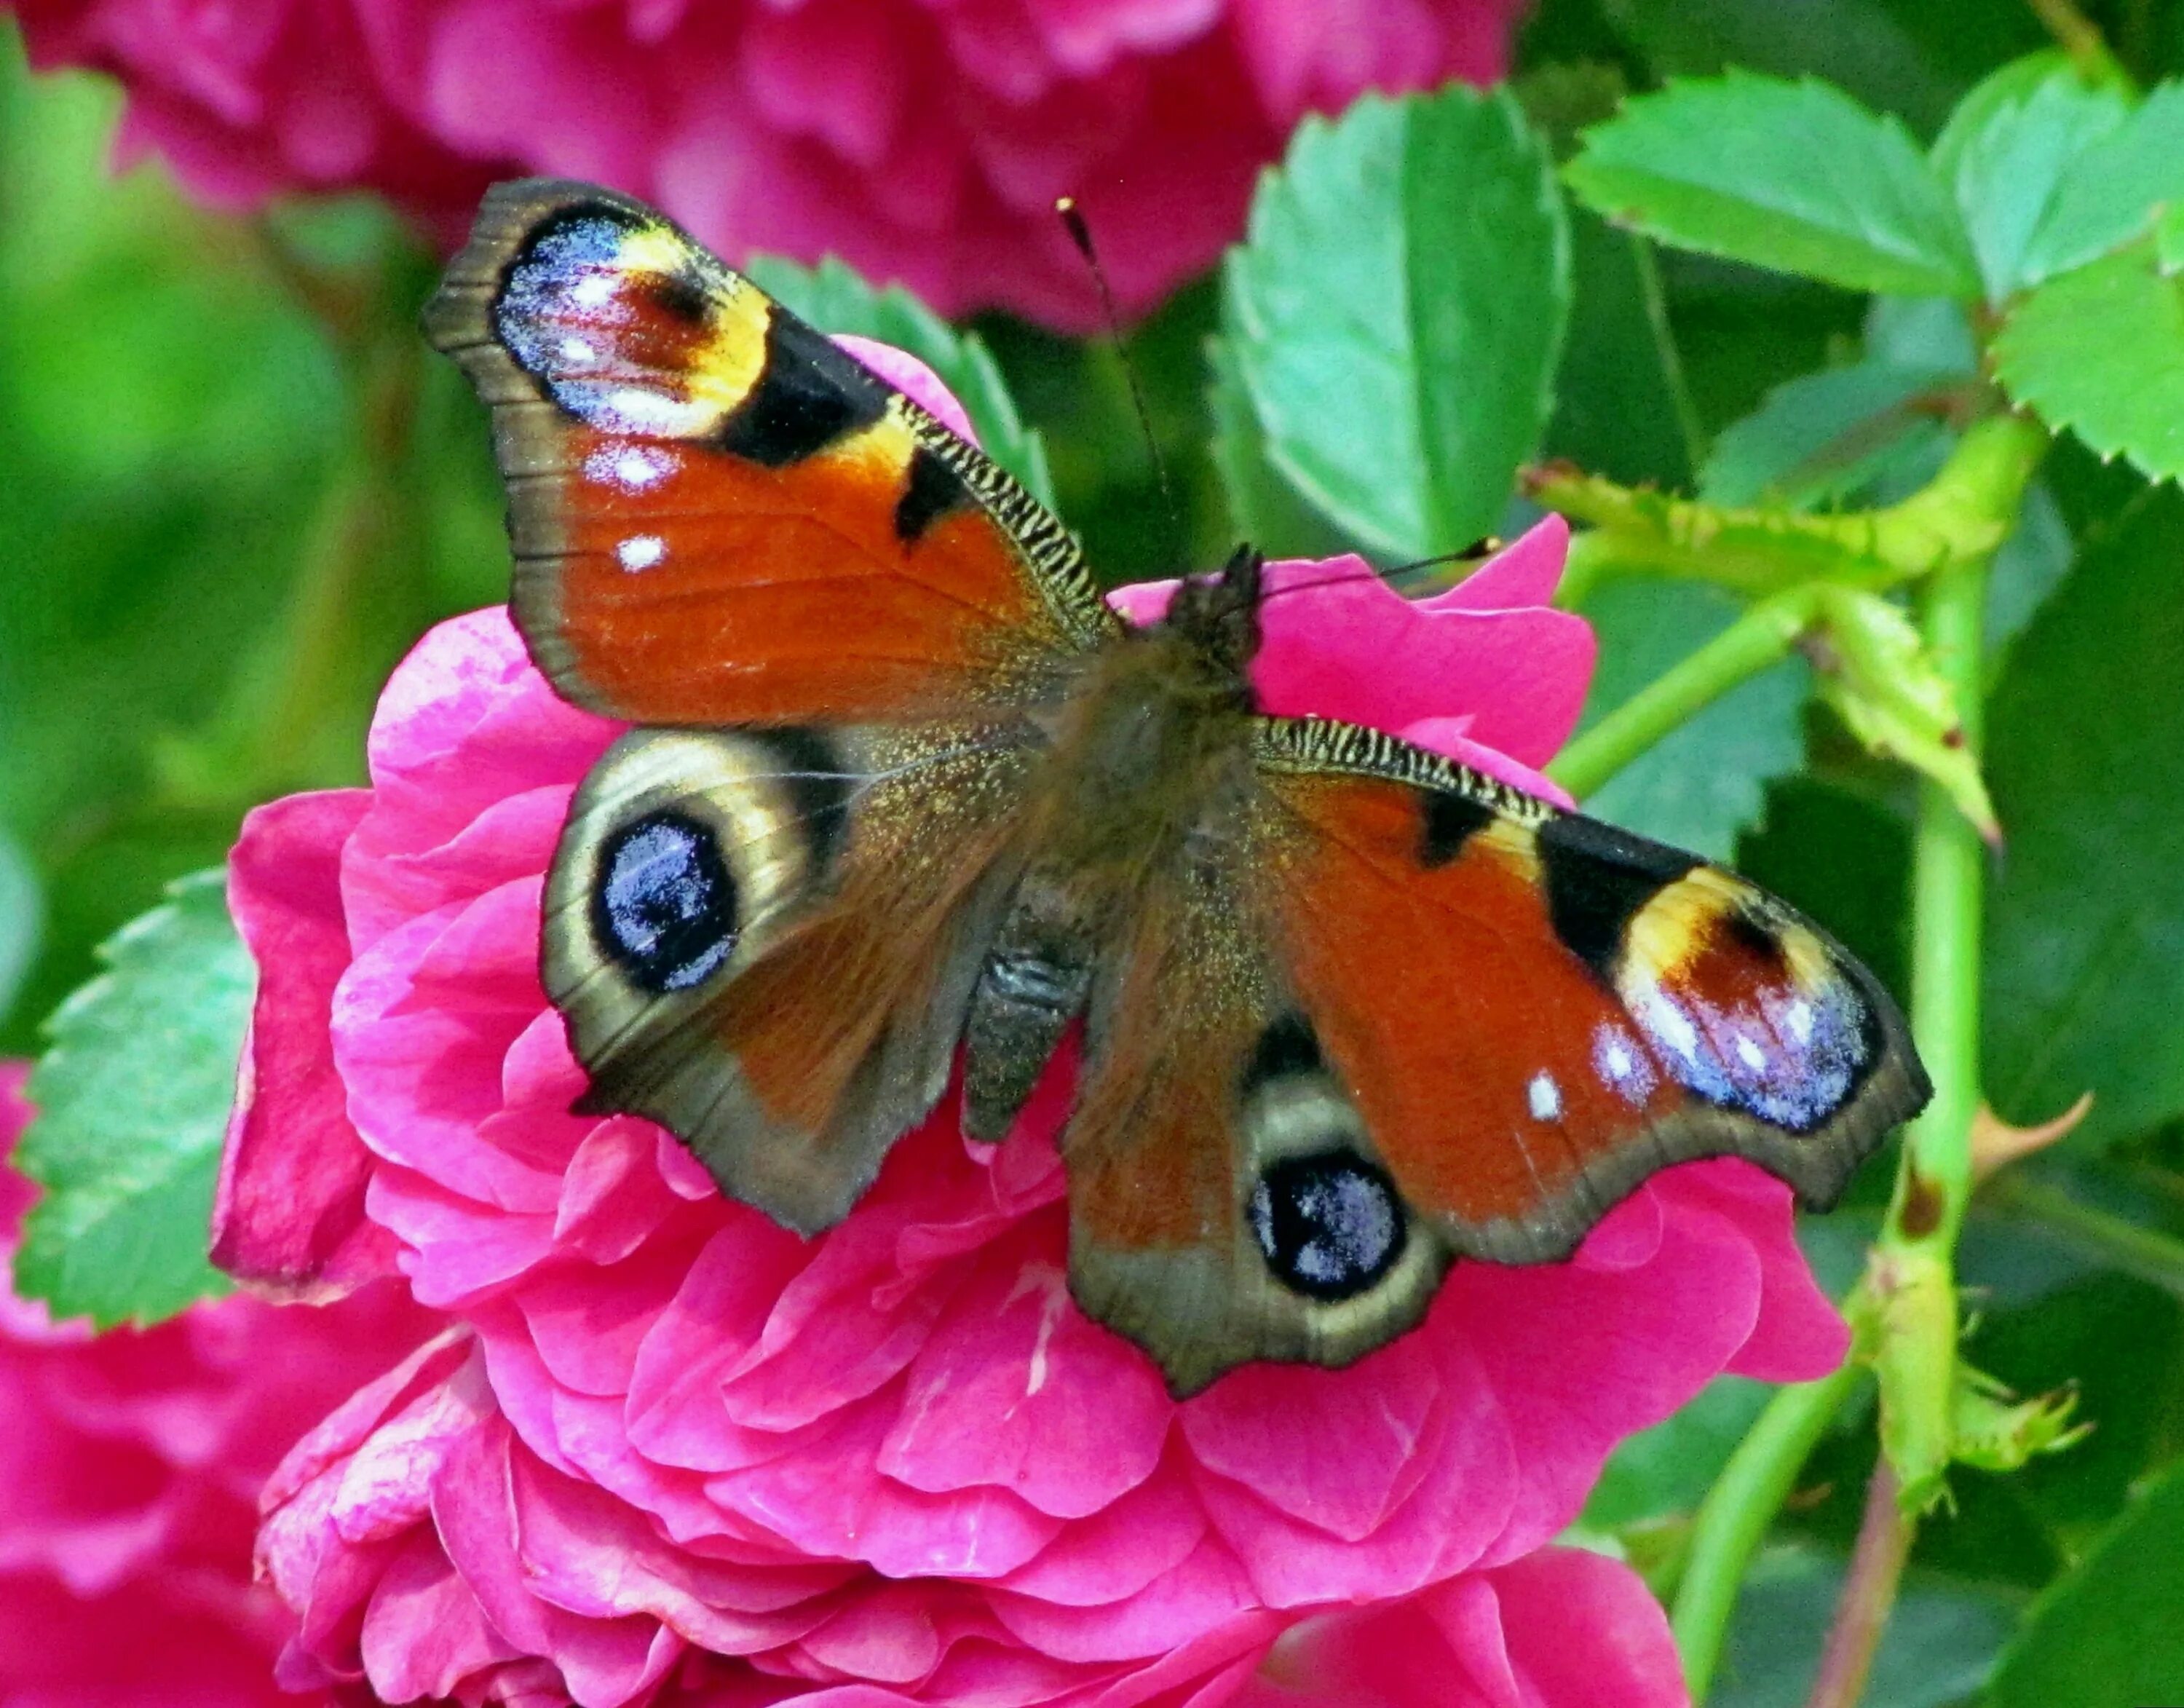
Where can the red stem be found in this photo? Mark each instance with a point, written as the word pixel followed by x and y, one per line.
pixel 1884 1539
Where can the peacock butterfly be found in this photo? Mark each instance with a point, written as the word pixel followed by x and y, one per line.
pixel 902 788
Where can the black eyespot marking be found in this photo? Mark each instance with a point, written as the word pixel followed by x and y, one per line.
pixel 807 395
pixel 1331 1224
pixel 1598 878
pixel 1754 935
pixel 810 768
pixel 1450 820
pixel 681 295
pixel 932 491
pixel 664 904
pixel 1287 1046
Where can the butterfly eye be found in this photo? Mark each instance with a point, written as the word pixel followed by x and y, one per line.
pixel 1330 1225
pixel 663 909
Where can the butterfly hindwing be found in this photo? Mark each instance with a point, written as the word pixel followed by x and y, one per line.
pixel 1226 1200
pixel 765 941
pixel 1428 1017
pixel 718 515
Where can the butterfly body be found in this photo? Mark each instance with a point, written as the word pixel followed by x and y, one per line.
pixel 1149 770
pixel 905 801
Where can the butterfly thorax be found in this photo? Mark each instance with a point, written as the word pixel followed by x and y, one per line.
pixel 1153 725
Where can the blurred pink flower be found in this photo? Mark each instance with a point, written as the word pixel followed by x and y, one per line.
pixel 661 1426
pixel 129 1468
pixel 922 140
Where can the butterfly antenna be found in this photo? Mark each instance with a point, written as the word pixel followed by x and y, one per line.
pixel 1080 233
pixel 1476 552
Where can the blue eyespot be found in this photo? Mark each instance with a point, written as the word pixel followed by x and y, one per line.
pixel 1329 1223
pixel 663 909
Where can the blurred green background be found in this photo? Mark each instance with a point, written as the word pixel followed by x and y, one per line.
pixel 235 486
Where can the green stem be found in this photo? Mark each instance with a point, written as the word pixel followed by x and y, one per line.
pixel 1762 637
pixel 1948 874
pixel 2080 37
pixel 1962 514
pixel 1906 1309
pixel 1733 1518
pixel 2154 1258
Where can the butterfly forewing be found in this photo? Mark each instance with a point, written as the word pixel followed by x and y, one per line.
pixel 719 516
pixel 1599 1005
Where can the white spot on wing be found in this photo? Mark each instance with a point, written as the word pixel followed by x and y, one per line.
pixel 1797 1018
pixel 1671 1027
pixel 633 409
pixel 1544 1097
pixel 1750 1053
pixel 593 290
pixel 1617 1059
pixel 641 551
pixel 579 350
pixel 632 467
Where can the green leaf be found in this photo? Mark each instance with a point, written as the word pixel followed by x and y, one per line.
pixel 2101 352
pixel 1396 315
pixel 2115 190
pixel 1921 332
pixel 836 298
pixel 1794 176
pixel 1939 1643
pixel 2107 1635
pixel 1705 782
pixel 2011 150
pixel 1622 405
pixel 1824 436
pixel 2085 963
pixel 1265 509
pixel 2169 241
pixel 1886 686
pixel 133 1095
pixel 1669 1468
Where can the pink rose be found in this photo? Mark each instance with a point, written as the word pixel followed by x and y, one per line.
pixel 660 1428
pixel 129 1468
pixel 922 140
